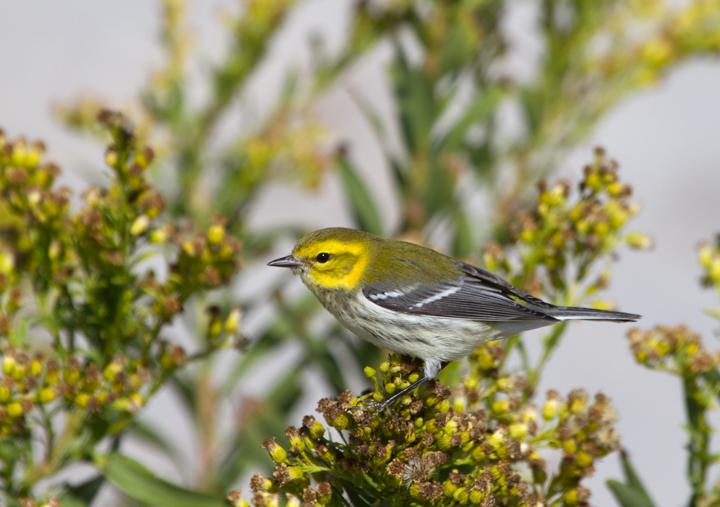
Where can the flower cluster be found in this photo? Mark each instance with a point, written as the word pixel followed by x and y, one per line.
pixel 81 311
pixel 678 351
pixel 32 381
pixel 694 28
pixel 673 349
pixel 29 502
pixel 560 240
pixel 709 256
pixel 288 149
pixel 111 234
pixel 479 446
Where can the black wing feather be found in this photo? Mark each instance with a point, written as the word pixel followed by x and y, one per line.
pixel 475 295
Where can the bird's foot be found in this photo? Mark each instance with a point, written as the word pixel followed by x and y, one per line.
pixel 373 408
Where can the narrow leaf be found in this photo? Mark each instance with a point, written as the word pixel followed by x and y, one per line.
pixel 632 493
pixel 626 496
pixel 631 477
pixel 154 437
pixel 137 482
pixel 463 244
pixel 415 96
pixel 361 202
pixel 270 419
pixel 713 378
pixel 83 494
pixel 483 106
pixel 357 496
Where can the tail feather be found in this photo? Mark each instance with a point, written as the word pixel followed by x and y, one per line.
pixel 576 313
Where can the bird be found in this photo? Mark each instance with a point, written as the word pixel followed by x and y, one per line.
pixel 415 301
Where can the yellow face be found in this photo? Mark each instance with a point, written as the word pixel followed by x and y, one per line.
pixel 330 263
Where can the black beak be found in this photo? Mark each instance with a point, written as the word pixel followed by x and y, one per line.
pixel 285 262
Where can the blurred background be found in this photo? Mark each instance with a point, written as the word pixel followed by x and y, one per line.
pixel 660 119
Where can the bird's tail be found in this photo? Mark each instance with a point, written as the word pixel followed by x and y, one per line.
pixel 575 313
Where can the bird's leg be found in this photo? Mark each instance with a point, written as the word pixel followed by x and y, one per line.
pixel 379 406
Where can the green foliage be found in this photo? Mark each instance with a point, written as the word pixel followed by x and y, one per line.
pixel 87 297
pixel 482 444
pixel 435 449
pixel 81 320
pixel 680 352
pixel 631 493
pixel 136 481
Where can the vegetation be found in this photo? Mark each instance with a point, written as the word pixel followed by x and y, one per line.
pixel 99 295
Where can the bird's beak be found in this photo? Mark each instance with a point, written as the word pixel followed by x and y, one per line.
pixel 288 261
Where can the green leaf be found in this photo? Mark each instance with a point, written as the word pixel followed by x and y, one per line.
pixel 481 108
pixel 713 378
pixel 631 476
pixel 83 494
pixel 137 482
pixel 266 420
pixel 416 100
pixel 333 372
pixel 396 164
pixel 463 244
pixel 357 496
pixel 632 493
pixel 361 202
pixel 439 189
pixel 156 438
pixel 280 328
pixel 19 334
pixel 627 496
pixel 457 51
pixel 185 388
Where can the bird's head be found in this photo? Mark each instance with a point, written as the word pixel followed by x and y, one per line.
pixel 330 258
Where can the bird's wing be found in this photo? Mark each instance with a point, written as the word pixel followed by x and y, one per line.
pixel 475 294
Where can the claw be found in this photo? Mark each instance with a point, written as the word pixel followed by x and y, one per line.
pixel 378 407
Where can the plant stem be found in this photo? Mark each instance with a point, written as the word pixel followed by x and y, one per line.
pixel 699 430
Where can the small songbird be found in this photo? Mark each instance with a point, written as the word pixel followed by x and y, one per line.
pixel 415 301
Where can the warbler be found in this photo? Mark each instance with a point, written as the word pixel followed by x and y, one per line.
pixel 415 301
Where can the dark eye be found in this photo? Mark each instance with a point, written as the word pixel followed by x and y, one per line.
pixel 323 257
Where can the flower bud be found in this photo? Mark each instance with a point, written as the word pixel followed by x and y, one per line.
pixel 232 324
pixel 8 364
pixel 583 459
pixel 111 157
pixel 324 491
pixel 236 500
pixel 140 225
pixel 570 445
pixel 341 422
pixel 550 409
pixel 216 234
pixel 46 395
pixel 277 453
pixel 639 241
pixel 486 361
pixel 259 483
pixel 14 409
pixel 81 400
pixel 476 497
pixel 7 263
pixel 518 430
pixel 501 407
pixel 314 427
pixel 293 436
pixel 571 497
